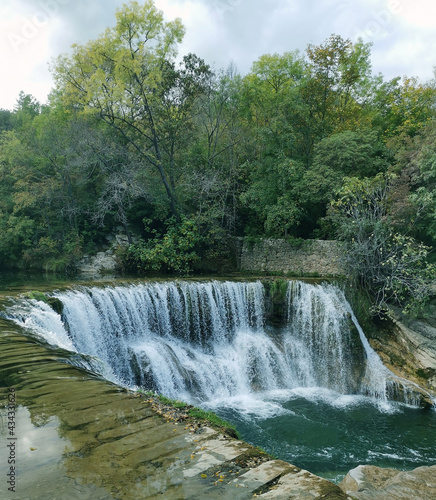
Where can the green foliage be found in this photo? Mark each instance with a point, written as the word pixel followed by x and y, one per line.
pixel 129 133
pixel 6 120
pixel 278 290
pixel 276 294
pixel 349 153
pixel 173 402
pixel 391 265
pixel 426 373
pixel 361 302
pixel 402 107
pixel 17 237
pixel 338 74
pixel 417 159
pixel 274 195
pixel 54 303
pixel 174 251
pixel 58 255
pixel 36 295
pixel 26 109
pixel 128 80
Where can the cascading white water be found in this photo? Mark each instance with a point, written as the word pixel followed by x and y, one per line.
pixel 203 341
pixel 319 337
pixel 187 340
pixel 321 324
pixel 312 391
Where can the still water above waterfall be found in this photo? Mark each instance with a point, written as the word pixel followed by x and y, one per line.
pixel 312 391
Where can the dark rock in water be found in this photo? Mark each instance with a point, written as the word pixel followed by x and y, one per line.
pixel 55 304
pixel 276 300
pixel 143 375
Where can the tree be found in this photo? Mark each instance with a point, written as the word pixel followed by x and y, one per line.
pixel 402 106
pixel 120 185
pixel 17 230
pixel 345 154
pixel 26 109
pixel 270 103
pixel 213 159
pixel 336 85
pixel 39 208
pixel 174 251
pixel 6 120
pixel 416 158
pixel 296 107
pixel 390 264
pixel 127 77
pixel 274 195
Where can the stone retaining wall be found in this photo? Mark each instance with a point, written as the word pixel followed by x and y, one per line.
pixel 311 257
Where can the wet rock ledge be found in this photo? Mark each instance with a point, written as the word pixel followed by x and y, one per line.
pixel 367 482
pixel 82 437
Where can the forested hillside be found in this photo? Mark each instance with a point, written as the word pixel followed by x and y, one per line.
pixel 181 156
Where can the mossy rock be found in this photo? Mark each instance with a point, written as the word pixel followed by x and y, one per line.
pixel 54 303
pixel 276 290
pixel 426 373
pixel 36 295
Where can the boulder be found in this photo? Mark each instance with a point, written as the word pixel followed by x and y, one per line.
pixel 420 339
pixel 409 350
pixel 97 265
pixel 367 482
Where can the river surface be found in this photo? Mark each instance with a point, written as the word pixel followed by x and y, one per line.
pixel 301 391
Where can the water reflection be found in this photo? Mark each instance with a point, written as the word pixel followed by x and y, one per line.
pixel 80 437
pixel 38 457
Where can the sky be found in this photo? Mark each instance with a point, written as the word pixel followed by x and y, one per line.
pixel 34 32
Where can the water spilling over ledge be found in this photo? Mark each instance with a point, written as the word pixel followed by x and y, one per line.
pixel 210 343
pixel 201 341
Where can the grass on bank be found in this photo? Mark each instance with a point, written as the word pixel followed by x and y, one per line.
pixel 180 411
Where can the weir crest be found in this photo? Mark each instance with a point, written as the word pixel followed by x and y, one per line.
pixel 209 340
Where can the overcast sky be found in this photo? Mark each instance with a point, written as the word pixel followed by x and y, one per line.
pixel 403 33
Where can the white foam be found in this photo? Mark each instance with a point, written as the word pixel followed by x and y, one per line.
pixel 42 320
pixel 249 407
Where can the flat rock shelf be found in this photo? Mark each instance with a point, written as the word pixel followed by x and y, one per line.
pixel 80 437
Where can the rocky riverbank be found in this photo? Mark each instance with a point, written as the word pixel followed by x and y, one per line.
pixel 408 348
pixel 367 482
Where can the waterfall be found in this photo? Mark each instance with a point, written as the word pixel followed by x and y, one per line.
pixel 204 341
pixel 318 340
pixel 330 349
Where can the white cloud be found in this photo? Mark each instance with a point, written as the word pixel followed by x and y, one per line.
pixel 415 53
pixel 420 13
pixel 403 33
pixel 23 55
